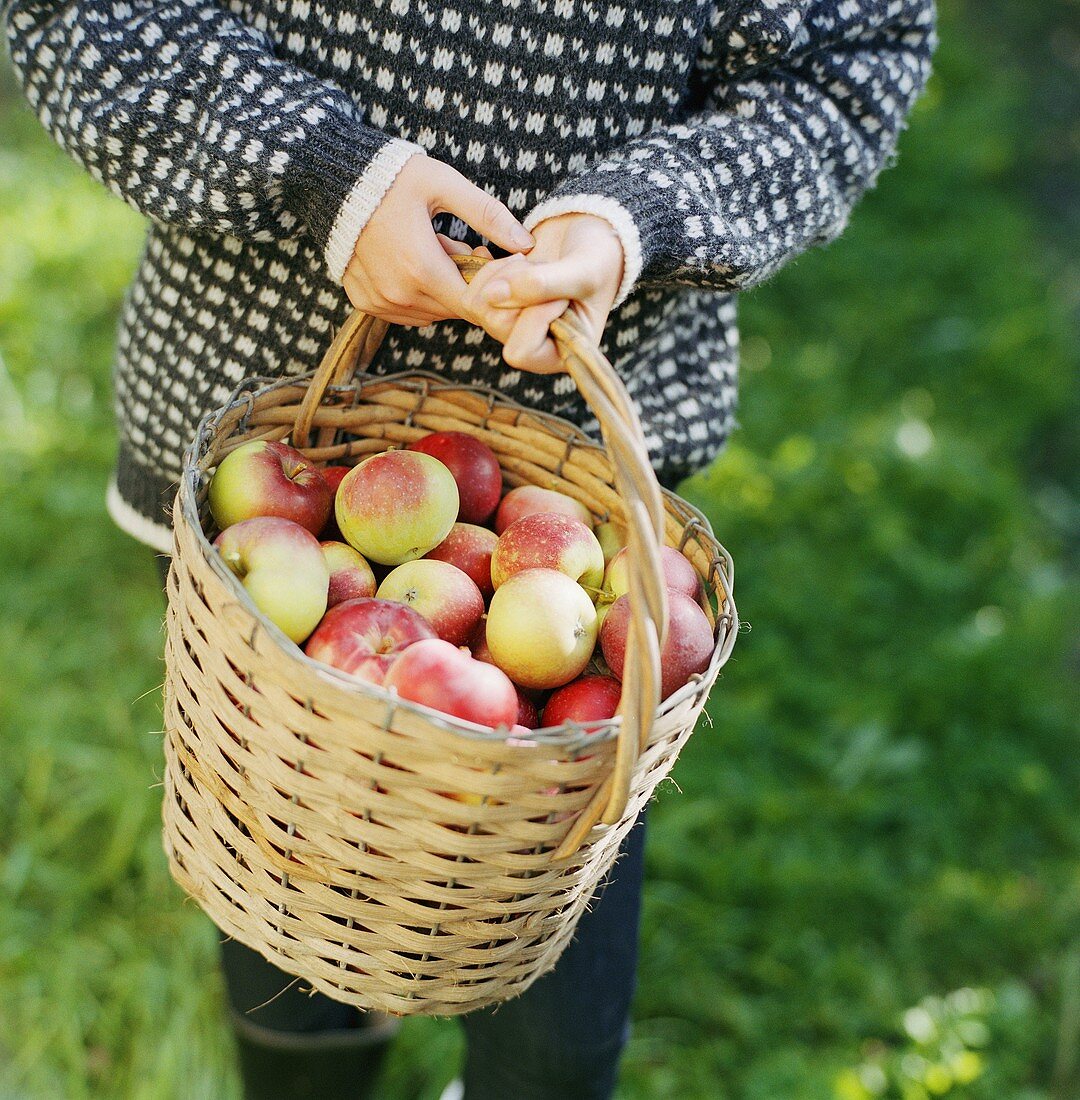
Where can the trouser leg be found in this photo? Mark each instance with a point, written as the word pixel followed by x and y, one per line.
pixel 563 1037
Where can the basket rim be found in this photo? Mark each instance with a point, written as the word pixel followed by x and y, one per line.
pixel 570 736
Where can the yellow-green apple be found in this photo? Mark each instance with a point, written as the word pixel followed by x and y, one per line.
pixel 603 606
pixel 547 540
pixel 475 469
pixel 350 575
pixel 469 547
pixel 541 628
pixel 679 574
pixel 527 499
pixel 265 478
pixel 396 506
pixel 590 699
pixel 439 591
pixel 281 566
pixel 686 652
pixel 365 636
pixel 612 538
pixel 437 674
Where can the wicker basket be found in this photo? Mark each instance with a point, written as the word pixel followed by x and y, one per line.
pixel 391 857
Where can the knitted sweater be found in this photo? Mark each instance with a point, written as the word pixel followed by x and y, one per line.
pixel 258 136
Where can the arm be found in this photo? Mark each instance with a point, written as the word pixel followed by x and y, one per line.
pixel 184 111
pixel 803 105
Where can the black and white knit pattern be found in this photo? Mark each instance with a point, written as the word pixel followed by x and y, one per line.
pixel 259 135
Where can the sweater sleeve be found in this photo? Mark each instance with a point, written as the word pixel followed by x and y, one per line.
pixel 184 111
pixel 803 103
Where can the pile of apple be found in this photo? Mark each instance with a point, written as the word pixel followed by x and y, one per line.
pixel 408 588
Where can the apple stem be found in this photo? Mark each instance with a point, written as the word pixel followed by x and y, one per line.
pixel 233 561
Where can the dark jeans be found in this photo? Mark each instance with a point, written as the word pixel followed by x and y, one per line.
pixel 560 1040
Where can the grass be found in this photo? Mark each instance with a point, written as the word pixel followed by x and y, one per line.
pixel 867 886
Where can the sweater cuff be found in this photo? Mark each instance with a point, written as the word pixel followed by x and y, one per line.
pixel 341 164
pixel 615 214
pixel 361 202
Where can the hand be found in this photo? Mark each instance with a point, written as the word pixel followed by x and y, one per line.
pixel 577 257
pixel 400 269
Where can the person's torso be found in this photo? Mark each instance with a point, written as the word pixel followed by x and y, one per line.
pixel 517 94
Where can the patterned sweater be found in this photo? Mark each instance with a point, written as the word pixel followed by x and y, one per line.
pixel 719 139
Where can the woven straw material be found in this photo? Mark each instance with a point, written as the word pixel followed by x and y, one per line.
pixel 391 857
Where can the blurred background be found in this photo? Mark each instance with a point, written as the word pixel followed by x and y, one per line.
pixel 866 881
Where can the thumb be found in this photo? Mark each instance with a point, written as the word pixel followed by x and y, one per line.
pixel 484 212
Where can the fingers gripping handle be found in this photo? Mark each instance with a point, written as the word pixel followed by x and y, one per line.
pixel 602 390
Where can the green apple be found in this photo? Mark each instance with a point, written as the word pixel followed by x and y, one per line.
pixel 281 565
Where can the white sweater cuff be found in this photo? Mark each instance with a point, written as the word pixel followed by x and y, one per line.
pixel 615 214
pixel 362 201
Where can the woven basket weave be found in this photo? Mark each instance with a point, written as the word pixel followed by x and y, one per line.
pixel 391 857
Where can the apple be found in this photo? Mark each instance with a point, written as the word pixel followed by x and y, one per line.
pixel 527 716
pixel 527 499
pixel 686 652
pixel 612 538
pixel 334 476
pixel 590 699
pixel 365 636
pixel 436 674
pixel 281 566
pixel 263 478
pixel 474 467
pixel 350 575
pixel 547 540
pixel 478 646
pixel 469 548
pixel 396 506
pixel 439 591
pixel 541 628
pixel 679 574
pixel 603 606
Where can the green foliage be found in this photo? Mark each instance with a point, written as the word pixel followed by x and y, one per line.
pixel 883 806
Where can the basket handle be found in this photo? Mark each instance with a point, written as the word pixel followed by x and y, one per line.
pixel 353 349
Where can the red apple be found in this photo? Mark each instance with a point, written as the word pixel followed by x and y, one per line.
pixel 263 478
pixel 591 699
pixel 364 637
pixel 541 628
pixel 686 652
pixel 527 499
pixel 679 574
pixel 437 674
pixel 281 566
pixel 475 469
pixel 528 715
pixel 441 592
pixel 547 540
pixel 350 575
pixel 334 476
pixel 478 643
pixel 469 548
pixel 396 506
